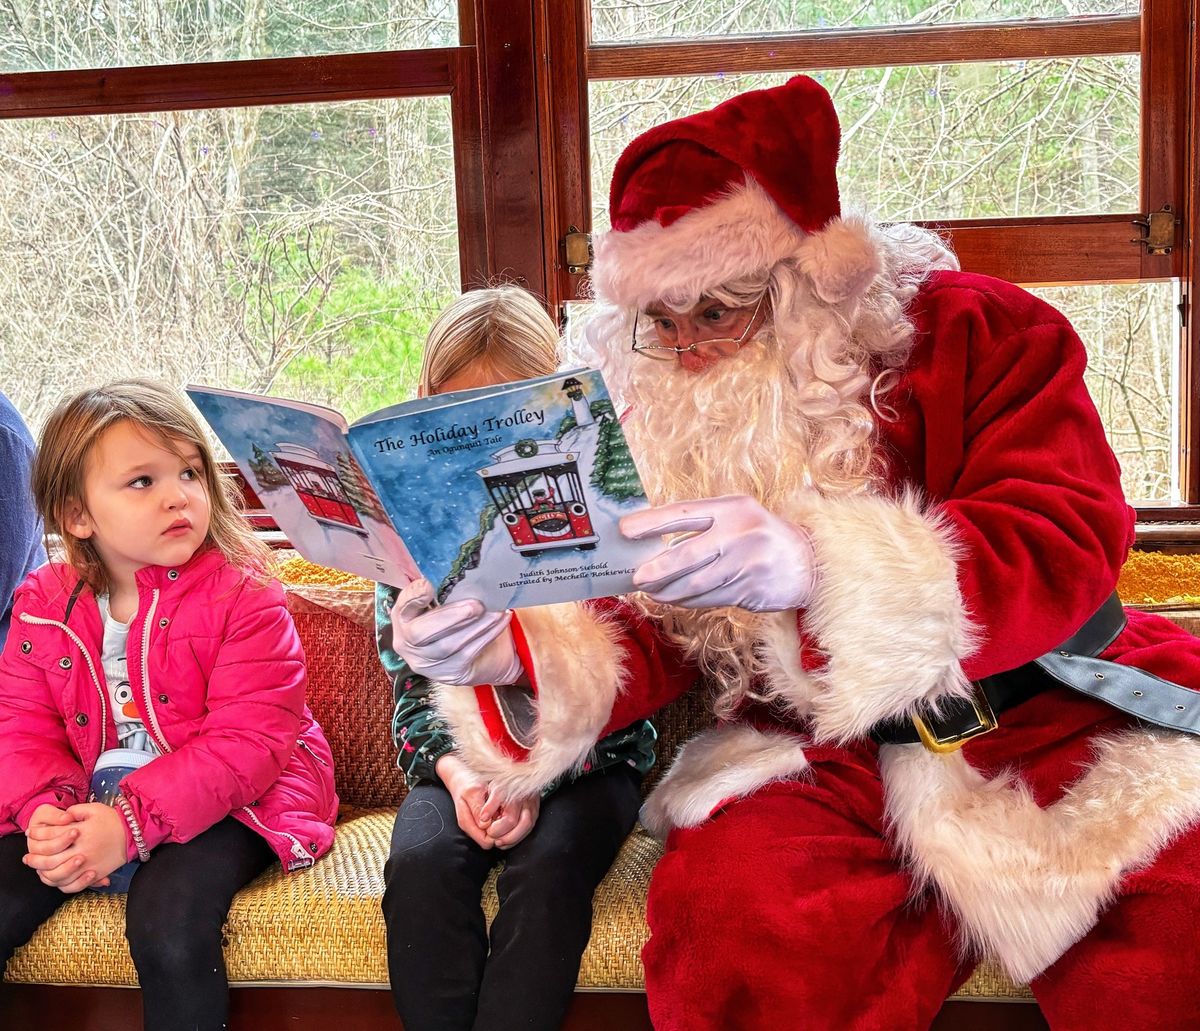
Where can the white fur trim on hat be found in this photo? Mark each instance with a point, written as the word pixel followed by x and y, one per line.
pixel 731 237
pixel 578 670
pixel 737 235
pixel 1026 883
pixel 729 761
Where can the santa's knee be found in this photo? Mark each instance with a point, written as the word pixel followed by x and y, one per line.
pixel 713 910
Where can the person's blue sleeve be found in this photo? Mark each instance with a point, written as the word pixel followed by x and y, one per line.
pixel 20 529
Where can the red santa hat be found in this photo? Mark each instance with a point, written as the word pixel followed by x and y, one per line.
pixel 706 199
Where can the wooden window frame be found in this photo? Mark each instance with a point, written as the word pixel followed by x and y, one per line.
pixel 518 90
pixel 1062 249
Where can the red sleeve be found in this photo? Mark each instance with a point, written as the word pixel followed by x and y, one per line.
pixel 592 668
pixel 1017 459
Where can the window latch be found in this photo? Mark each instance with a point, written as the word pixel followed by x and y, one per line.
pixel 1158 230
pixel 578 249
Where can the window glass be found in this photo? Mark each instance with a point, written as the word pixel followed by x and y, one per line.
pixel 42 35
pixel 1019 138
pixel 1132 337
pixel 301 250
pixel 625 21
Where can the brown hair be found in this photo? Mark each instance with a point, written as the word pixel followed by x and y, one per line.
pixel 66 446
pixel 503 327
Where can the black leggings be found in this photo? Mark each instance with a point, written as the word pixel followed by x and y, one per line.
pixel 174 915
pixel 443 978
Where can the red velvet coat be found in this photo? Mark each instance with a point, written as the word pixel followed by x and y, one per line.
pixel 1002 530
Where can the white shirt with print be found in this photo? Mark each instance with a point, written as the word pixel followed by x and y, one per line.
pixel 131 732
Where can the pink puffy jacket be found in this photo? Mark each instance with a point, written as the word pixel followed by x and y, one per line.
pixel 218 674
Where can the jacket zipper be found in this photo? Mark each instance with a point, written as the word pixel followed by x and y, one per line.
pixel 298 850
pixel 309 749
pixel 157 734
pixel 100 690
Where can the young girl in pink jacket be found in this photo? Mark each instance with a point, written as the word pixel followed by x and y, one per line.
pixel 161 635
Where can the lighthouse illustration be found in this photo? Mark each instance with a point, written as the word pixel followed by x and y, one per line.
pixel 537 489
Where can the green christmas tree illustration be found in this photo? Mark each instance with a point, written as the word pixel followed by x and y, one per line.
pixel 613 471
pixel 358 488
pixel 267 474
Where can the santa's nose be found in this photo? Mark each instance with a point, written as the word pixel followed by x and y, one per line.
pixel 692 361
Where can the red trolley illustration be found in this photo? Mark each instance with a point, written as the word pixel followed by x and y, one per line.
pixel 318 486
pixel 539 494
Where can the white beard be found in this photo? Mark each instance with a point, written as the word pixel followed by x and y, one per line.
pixel 735 428
pixel 720 431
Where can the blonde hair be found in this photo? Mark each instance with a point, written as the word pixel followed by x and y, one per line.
pixel 69 438
pixel 501 327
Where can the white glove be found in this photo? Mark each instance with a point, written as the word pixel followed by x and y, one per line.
pixel 736 553
pixel 458 643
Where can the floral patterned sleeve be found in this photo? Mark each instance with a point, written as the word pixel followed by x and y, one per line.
pixel 421 739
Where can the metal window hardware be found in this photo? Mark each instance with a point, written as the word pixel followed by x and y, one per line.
pixel 1158 228
pixel 578 249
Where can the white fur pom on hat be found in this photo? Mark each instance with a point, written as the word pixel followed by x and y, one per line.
pixel 841 260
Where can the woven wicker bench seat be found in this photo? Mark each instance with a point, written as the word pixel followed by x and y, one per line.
pixel 324 926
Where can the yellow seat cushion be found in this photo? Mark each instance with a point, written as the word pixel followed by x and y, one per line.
pixel 324 925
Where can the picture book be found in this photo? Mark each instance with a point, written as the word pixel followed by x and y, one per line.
pixel 510 494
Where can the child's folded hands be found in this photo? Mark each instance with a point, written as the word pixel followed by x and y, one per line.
pixel 510 823
pixel 78 847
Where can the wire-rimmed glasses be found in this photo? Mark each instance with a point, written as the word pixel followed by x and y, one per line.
pixel 666 352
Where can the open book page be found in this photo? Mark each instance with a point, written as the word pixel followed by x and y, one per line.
pixel 297 459
pixel 510 495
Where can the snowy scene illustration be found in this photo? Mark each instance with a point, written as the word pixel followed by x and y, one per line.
pixel 297 459
pixel 513 498
pixel 510 494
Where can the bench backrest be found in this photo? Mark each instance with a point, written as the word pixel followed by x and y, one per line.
pixel 352 700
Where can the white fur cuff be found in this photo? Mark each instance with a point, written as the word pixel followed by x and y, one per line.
pixel 729 761
pixel 574 662
pixel 886 611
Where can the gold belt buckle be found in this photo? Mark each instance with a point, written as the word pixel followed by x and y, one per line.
pixel 985 722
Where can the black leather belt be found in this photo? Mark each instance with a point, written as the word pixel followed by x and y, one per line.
pixel 958 720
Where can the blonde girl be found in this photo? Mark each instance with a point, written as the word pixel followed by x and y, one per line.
pixel 447 972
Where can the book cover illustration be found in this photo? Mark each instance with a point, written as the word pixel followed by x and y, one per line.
pixel 509 494
pixel 298 461
pixel 512 494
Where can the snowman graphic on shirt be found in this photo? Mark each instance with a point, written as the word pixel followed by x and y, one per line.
pixel 131 731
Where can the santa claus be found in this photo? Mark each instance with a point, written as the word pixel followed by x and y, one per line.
pixel 892 527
